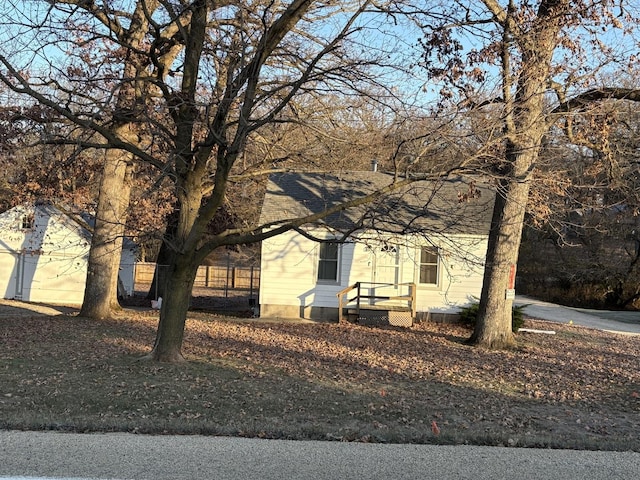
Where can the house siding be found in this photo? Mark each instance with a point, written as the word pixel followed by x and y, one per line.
pixel 8 264
pixel 288 271
pixel 288 286
pixel 52 278
pixel 461 268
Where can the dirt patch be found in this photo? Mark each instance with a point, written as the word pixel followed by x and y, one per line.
pixel 579 388
pixel 236 301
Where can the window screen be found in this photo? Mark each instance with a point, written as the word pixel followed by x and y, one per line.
pixel 429 265
pixel 328 261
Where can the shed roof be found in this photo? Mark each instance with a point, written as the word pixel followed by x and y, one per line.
pixel 442 205
pixel 79 224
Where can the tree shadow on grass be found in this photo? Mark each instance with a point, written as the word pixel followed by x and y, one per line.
pixel 17 308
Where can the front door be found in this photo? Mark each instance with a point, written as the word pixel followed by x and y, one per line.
pixel 386 273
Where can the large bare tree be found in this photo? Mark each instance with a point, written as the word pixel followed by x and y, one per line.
pixel 240 68
pixel 542 59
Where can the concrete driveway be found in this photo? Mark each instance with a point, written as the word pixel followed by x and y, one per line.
pixel 610 321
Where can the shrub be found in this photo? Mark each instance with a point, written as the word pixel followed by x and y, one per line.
pixel 468 315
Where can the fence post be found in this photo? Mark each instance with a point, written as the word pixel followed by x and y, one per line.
pixel 251 284
pixel 226 284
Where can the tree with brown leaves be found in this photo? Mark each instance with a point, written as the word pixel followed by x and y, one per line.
pixel 545 57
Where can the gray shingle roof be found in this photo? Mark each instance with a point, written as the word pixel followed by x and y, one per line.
pixel 423 206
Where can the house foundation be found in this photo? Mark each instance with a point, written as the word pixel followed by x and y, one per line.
pixel 372 317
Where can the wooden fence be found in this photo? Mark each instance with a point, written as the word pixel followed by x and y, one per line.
pixel 227 277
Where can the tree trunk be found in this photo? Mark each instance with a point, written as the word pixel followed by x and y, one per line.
pixel 630 285
pixel 182 269
pixel 191 172
pixel 160 274
pixel 174 309
pixel 525 125
pixel 493 326
pixel 101 290
pixel 163 260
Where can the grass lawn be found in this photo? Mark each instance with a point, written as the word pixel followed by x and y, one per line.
pixel 577 389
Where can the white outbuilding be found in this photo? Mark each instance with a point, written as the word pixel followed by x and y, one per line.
pixel 44 253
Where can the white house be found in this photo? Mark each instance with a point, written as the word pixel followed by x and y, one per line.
pixel 44 254
pixel 429 237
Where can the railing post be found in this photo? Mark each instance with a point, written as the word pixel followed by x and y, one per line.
pixel 412 288
pixel 342 303
pixel 358 299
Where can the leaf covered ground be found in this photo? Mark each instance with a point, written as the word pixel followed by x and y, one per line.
pixel 579 388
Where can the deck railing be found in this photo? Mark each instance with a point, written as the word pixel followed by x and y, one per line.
pixel 344 300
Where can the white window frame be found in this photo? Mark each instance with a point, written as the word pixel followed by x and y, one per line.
pixel 28 221
pixel 435 264
pixel 319 270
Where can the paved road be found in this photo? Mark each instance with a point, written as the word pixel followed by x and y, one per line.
pixel 126 456
pixel 612 321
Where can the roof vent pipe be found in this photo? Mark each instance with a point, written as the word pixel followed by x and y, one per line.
pixel 374 165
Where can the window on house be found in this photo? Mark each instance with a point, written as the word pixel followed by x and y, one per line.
pixel 328 262
pixel 389 249
pixel 429 265
pixel 28 222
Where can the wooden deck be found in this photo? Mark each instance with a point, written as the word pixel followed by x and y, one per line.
pixel 366 309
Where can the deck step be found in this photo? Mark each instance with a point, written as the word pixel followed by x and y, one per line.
pixel 382 308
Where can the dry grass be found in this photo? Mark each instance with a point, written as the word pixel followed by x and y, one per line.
pixel 577 389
